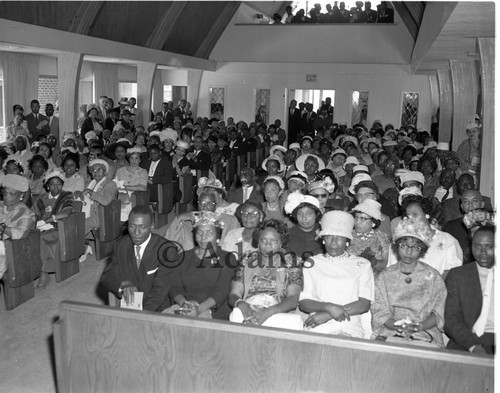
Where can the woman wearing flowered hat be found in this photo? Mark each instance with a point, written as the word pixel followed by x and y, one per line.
pixel 338 286
pixel 410 295
pixel 213 185
pixel 469 151
pixel 321 188
pixel 303 237
pixel 199 285
pixel 52 206
pixel 368 240
pixel 129 179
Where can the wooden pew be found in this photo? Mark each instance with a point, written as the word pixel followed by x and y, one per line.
pixel 230 172
pixel 108 349
pixel 240 162
pixel 218 170
pixel 110 229
pixel 23 268
pixel 164 205
pixel 251 159
pixel 140 198
pixel 71 231
pixel 186 185
pixel 259 157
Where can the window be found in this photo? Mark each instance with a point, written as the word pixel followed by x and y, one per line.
pixel 47 92
pixel 359 113
pixel 167 93
pixel 2 125
pixel 217 102
pixel 262 98
pixel 127 90
pixel 316 97
pixel 409 110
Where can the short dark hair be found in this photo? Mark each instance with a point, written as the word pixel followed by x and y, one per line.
pixel 154 146
pixel 48 146
pixel 34 102
pixel 309 205
pixel 368 184
pixel 278 226
pixel 424 203
pixel 72 157
pixel 38 157
pixel 142 210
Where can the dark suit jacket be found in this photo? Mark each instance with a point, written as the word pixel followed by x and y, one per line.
pixel 457 229
pixel 202 161
pixel 239 148
pixel 164 174
pixel 236 196
pixel 463 306
pixel 294 124
pixel 32 123
pixel 307 126
pixel 167 119
pixel 109 124
pixel 260 119
pixel 88 125
pixel 123 266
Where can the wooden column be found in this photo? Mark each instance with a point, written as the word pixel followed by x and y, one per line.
pixel 434 87
pixel 487 58
pixel 145 78
pixel 157 92
pixel 69 66
pixel 193 91
pixel 464 84
pixel 445 105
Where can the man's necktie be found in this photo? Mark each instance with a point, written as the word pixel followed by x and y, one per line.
pixel 138 255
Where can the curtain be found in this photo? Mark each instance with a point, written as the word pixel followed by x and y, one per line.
pixel 106 82
pixel 20 81
pixel 178 93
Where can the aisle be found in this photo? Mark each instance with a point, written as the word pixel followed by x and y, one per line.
pixel 27 363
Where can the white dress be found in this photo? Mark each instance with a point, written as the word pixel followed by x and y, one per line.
pixel 340 280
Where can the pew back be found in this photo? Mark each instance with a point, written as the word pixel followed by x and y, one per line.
pixel 115 350
pixel 71 231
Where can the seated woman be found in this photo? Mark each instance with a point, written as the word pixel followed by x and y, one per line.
pixel 338 286
pixel 239 240
pixel 444 251
pixel 73 181
pixel 273 165
pixel 296 183
pixel 16 219
pixel 38 167
pixel 368 240
pixel 52 206
pixel 273 206
pixel 321 188
pixel 199 286
pixel 46 152
pixel 99 192
pixel 410 295
pixel 129 179
pixel 215 186
pixel 303 240
pixel 310 164
pixel 267 283
pixel 92 122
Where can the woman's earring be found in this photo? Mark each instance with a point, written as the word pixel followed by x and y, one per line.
pixel 427 216
pixel 373 225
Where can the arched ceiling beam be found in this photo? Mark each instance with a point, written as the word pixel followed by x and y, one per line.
pixel 84 19
pixel 217 29
pixel 407 17
pixel 163 29
pixel 435 16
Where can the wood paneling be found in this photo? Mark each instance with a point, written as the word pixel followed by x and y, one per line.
pixel 464 83
pixel 85 17
pixel 487 54
pixel 445 105
pixel 115 350
pixel 165 25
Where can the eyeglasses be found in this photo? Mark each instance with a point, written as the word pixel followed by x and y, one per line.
pixel 364 195
pixel 362 219
pixel 207 204
pixel 318 196
pixel 404 246
pixel 250 214
pixel 265 241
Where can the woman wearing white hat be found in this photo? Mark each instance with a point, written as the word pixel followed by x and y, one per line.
pixel 410 295
pixel 52 206
pixel 273 165
pixel 310 164
pixel 303 238
pixel 469 151
pixel 338 286
pixel 273 207
pixel 336 163
pixel 368 240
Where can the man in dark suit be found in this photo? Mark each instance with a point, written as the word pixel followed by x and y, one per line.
pixel 53 120
pixel 199 159
pixel 136 257
pixel 38 124
pixel 307 123
pixel 102 109
pixel 248 188
pixel 160 171
pixel 180 111
pixel 294 120
pixel 166 114
pixel 469 315
pixel 236 143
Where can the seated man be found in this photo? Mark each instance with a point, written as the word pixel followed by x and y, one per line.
pixel 470 200
pixel 16 219
pixel 136 257
pixel 469 312
pixel 248 189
